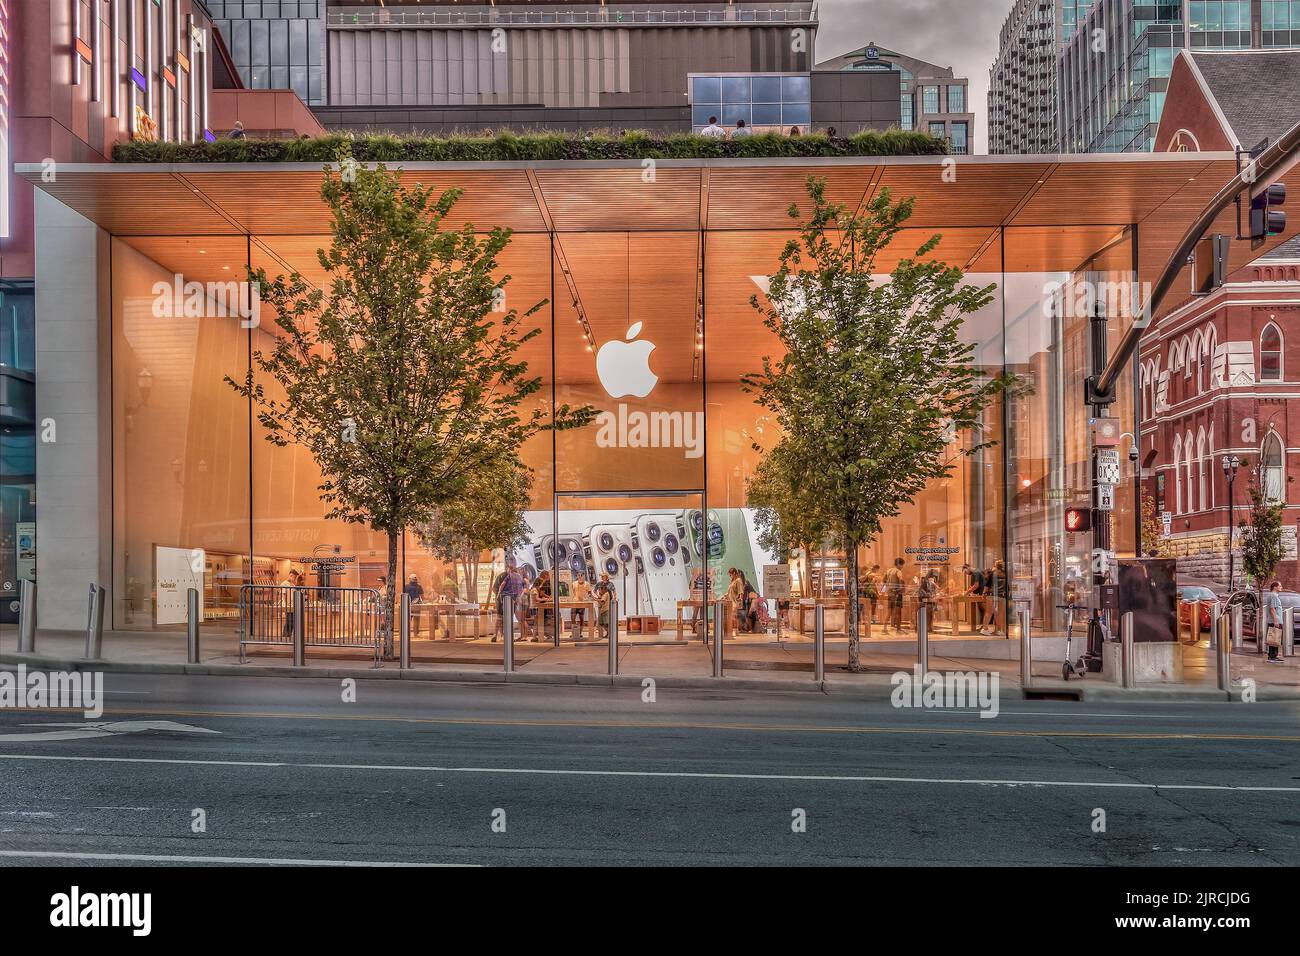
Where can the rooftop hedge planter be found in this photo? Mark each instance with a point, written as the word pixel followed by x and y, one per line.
pixel 531 146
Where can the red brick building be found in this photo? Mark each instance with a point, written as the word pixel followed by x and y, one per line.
pixel 1219 376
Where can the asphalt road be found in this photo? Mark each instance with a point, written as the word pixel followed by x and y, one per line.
pixel 418 772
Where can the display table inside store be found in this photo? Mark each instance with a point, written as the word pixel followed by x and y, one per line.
pixel 591 615
pixel 444 620
pixel 835 622
pixel 698 616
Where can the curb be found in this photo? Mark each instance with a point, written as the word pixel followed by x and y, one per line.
pixel 872 687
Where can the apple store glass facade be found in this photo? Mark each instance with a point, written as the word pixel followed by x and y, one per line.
pixel 655 330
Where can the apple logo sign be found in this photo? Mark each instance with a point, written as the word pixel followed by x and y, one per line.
pixel 624 367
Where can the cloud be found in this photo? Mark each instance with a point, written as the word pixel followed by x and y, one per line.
pixel 962 34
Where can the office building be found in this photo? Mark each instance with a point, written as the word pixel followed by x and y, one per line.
pixel 931 98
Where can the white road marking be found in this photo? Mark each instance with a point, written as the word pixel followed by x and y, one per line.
pixel 225 860
pixel 667 774
pixel 98 730
pixel 1066 715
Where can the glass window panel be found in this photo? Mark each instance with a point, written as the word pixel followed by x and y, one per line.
pixel 700 113
pixel 767 89
pixel 735 89
pixel 797 114
pixel 259 44
pixel 279 42
pixel 731 115
pixel 769 114
pixel 706 89
pixel 796 89
pixel 956 99
pixel 298 43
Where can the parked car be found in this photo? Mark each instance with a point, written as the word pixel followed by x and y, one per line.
pixel 1187 593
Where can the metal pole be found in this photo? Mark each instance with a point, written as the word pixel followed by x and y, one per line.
pixel 1194 623
pixel 508 632
pixel 613 637
pixel 1128 678
pixel 95 623
pixel 1238 635
pixel 404 662
pixel 1223 649
pixel 192 616
pixel 299 630
pixel 1215 613
pixel 718 618
pixel 27 617
pixel 1288 632
pixel 923 638
pixel 1026 650
pixel 819 643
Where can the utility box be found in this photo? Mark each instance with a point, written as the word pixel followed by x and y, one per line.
pixel 1149 588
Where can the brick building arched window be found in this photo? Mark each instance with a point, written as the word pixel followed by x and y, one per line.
pixel 1273 468
pixel 1270 354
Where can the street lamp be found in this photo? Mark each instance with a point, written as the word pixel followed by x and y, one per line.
pixel 1230 466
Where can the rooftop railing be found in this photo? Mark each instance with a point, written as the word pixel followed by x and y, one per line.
pixel 494 17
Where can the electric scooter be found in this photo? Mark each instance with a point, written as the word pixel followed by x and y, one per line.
pixel 1072 668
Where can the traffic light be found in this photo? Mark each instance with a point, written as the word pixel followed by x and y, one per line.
pixel 1078 519
pixel 1264 220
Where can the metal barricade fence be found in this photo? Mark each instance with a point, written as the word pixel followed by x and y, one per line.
pixel 332 617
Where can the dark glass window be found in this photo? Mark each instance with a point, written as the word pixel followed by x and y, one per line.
pixel 1270 355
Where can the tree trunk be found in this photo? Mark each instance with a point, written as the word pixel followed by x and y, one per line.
pixel 387 616
pixel 851 589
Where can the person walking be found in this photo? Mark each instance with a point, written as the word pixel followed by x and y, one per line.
pixel 996 593
pixel 894 594
pixel 1273 620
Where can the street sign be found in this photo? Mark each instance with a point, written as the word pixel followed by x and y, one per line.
pixel 776 582
pixel 1166 522
pixel 1108 466
pixel 1106 432
pixel 1105 497
pixel 1022 590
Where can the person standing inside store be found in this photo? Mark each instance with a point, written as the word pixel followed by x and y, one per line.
pixel 542 600
pixel 509 584
pixel 415 591
pixel 735 597
pixel 894 594
pixel 604 601
pixel 976 588
pixel 1273 621
pixel 996 592
pixel 869 590
pixel 582 593
pixel 290 581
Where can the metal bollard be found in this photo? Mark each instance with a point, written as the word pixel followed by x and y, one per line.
pixel 299 630
pixel 1238 634
pixel 404 633
pixel 613 637
pixel 1026 650
pixel 719 616
pixel 1194 622
pixel 508 632
pixel 192 620
pixel 1229 630
pixel 1288 632
pixel 819 643
pixel 1216 612
pixel 27 617
pixel 95 623
pixel 1127 674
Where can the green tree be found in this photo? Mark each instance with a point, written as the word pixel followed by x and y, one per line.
pixel 1261 539
pixel 877 394
pixel 785 518
pixel 401 375
pixel 1154 543
pixel 488 515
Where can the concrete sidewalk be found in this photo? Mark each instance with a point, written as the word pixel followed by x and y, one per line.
pixel 748 664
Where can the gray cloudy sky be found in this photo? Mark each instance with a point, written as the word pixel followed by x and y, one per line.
pixel 962 34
